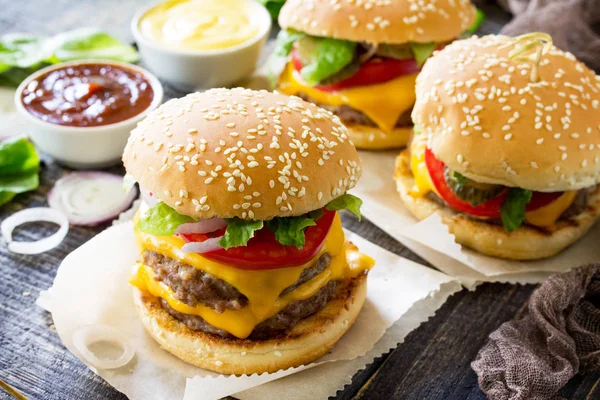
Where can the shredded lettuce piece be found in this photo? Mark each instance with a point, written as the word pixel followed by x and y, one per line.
pixel 161 220
pixel 512 210
pixel 289 231
pixel 346 202
pixel 285 41
pixel 423 51
pixel 238 232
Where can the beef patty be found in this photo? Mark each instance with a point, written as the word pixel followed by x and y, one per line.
pixel 350 115
pixel 275 326
pixel 193 286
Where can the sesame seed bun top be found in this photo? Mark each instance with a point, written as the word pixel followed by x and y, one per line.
pixel 487 120
pixel 242 153
pixel 379 21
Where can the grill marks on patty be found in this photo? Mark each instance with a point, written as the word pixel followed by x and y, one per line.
pixel 350 115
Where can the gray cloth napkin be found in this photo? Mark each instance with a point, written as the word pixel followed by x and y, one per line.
pixel 533 357
pixel 569 22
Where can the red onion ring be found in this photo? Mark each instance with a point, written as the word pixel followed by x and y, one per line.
pixel 202 226
pixel 149 198
pixel 207 246
pixel 90 198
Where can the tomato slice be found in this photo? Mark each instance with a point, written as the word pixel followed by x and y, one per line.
pixel 201 237
pixel 264 252
pixel 489 209
pixel 376 70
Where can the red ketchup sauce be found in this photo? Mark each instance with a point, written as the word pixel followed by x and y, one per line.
pixel 87 95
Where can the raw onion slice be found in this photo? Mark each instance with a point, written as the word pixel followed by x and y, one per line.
pixel 202 226
pixel 85 337
pixel 33 215
pixel 149 198
pixel 90 198
pixel 207 246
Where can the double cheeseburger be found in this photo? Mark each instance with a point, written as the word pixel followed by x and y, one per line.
pixel 244 267
pixel 360 59
pixel 506 146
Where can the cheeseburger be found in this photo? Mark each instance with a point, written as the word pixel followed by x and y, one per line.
pixel 360 59
pixel 506 146
pixel 244 267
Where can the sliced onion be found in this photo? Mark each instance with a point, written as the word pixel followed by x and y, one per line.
pixel 85 337
pixel 371 49
pixel 33 215
pixel 202 226
pixel 90 198
pixel 207 246
pixel 149 198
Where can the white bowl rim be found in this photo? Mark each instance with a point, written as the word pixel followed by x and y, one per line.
pixel 139 37
pixel 157 89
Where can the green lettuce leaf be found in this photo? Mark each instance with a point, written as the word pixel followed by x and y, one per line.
pixel 289 231
pixel 19 166
pixel 161 220
pixel 238 232
pixel 21 51
pixel 89 43
pixel 423 51
pixel 324 57
pixel 479 18
pixel 460 178
pixel 512 210
pixel 285 40
pixel 273 7
pixel 23 54
pixel 346 202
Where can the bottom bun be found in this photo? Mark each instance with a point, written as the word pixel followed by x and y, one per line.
pixel 368 137
pixel 308 340
pixel 524 243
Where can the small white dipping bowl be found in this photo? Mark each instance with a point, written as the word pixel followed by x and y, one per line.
pixel 84 147
pixel 190 70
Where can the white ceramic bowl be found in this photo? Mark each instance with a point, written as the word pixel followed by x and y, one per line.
pixel 84 147
pixel 192 70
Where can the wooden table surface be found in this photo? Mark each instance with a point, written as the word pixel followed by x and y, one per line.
pixel 432 363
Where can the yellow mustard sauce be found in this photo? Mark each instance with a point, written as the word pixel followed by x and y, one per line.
pixel 199 25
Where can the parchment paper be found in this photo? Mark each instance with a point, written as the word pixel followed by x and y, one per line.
pixel 432 241
pixel 91 288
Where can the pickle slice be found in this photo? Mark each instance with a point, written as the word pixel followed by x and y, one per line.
pixel 475 193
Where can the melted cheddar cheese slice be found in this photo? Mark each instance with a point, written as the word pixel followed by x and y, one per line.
pixel 261 287
pixel 544 217
pixel 383 103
